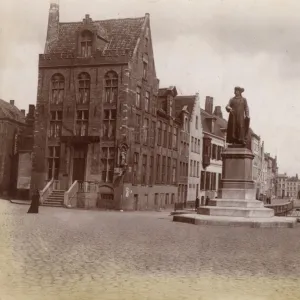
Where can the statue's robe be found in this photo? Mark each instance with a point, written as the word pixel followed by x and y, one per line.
pixel 238 122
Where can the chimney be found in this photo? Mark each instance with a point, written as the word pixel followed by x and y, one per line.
pixel 23 112
pixel 31 111
pixel 53 24
pixel 218 112
pixel 12 102
pixel 209 103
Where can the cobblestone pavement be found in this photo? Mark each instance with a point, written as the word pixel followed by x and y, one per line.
pixel 77 254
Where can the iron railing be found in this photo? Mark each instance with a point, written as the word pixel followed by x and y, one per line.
pixel 281 209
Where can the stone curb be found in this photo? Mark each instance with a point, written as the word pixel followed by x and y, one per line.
pixel 20 203
pixel 231 223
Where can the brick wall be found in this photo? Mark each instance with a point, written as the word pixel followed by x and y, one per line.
pixel 69 110
pixel 8 159
pixel 24 170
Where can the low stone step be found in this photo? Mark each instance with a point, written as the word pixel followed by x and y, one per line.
pixel 273 222
pixel 55 197
pixel 235 203
pixel 52 205
pixel 236 212
pixel 53 202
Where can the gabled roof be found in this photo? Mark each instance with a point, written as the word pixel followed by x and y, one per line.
pixel 219 124
pixel 122 35
pixel 185 101
pixel 11 112
pixel 162 92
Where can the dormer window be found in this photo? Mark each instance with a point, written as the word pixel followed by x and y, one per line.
pixel 86 43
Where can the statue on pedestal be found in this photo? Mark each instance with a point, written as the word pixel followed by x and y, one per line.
pixel 239 119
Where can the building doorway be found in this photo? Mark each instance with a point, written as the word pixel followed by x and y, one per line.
pixel 79 162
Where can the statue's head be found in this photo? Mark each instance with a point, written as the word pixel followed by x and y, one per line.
pixel 238 91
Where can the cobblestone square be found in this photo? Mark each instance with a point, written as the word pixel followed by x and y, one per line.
pixel 78 254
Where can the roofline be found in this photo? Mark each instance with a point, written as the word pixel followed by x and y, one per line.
pixel 114 19
pixel 125 63
pixel 190 96
pixel 13 120
pixel 255 135
pixel 213 135
pixel 146 19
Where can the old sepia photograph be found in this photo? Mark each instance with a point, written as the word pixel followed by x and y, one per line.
pixel 149 149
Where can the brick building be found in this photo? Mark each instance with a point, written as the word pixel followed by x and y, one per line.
pixel 214 141
pixel 192 106
pixel 97 119
pixel 270 170
pixel 12 120
pixel 184 107
pixel 24 155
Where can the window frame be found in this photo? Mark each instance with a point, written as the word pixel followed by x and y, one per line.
pixel 111 85
pixel 84 88
pixel 57 89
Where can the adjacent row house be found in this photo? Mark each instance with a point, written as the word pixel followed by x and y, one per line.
pixel 214 142
pixel 16 134
pixel 270 171
pixel 287 187
pixel 192 149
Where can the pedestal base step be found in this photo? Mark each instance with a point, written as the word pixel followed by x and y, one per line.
pixel 235 203
pixel 273 222
pixel 236 211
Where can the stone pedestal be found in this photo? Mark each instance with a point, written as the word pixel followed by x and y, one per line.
pixel 236 198
pixel 236 204
pixel 237 170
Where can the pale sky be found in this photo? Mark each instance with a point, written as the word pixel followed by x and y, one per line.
pixel 205 46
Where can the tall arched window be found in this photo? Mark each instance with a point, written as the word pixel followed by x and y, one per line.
pixel 57 88
pixel 111 87
pixel 86 43
pixel 84 80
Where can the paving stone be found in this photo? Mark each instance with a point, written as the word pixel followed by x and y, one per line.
pixel 73 254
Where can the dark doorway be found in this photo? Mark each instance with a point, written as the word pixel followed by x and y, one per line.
pixel 79 158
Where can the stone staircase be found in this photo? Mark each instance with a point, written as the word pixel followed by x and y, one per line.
pixel 55 199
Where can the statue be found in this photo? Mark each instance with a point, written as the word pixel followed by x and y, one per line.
pixel 239 120
pixel 123 157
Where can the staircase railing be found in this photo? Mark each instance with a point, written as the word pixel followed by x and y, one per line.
pixel 47 191
pixel 71 193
